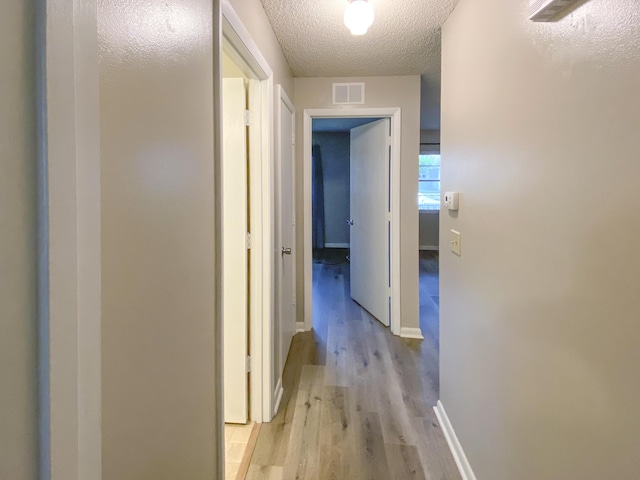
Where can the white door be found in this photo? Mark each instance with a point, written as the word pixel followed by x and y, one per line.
pixel 234 248
pixel 285 325
pixel 370 221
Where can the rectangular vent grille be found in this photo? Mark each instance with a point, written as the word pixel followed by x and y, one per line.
pixel 546 10
pixel 348 93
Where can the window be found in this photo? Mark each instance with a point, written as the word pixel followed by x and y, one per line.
pixel 429 182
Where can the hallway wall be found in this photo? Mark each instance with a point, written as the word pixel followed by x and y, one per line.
pixel 156 114
pixel 539 316
pixel 401 91
pixel 18 296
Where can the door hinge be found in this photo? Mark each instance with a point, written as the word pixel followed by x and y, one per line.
pixel 247 118
pixel 293 139
pixel 248 241
pixel 388 216
pixel 248 363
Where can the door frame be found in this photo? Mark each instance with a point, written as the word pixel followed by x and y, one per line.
pixel 261 153
pixel 69 241
pixel 395 114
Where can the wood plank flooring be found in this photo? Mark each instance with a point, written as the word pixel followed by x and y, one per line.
pixel 358 401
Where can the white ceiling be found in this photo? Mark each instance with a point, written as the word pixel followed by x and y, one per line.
pixel 403 40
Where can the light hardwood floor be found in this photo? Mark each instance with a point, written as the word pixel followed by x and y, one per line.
pixel 239 442
pixel 358 401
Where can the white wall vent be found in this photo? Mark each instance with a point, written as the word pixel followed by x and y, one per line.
pixel 348 93
pixel 545 10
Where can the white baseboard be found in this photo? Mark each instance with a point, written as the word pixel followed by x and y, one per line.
pixel 300 327
pixel 337 245
pixel 411 332
pixel 454 444
pixel 277 396
pixel 430 247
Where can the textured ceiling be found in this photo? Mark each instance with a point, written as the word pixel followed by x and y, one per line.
pixel 403 40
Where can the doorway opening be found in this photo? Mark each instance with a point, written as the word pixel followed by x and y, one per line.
pixel 366 234
pixel 331 202
pixel 246 285
pixel 429 219
pixel 236 272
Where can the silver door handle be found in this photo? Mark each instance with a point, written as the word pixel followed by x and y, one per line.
pixel 350 222
pixel 285 251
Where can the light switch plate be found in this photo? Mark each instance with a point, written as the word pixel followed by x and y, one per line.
pixel 456 242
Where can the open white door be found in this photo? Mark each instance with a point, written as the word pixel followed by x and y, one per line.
pixel 285 325
pixel 370 218
pixel 234 248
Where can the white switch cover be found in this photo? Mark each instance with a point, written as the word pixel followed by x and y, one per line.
pixel 455 242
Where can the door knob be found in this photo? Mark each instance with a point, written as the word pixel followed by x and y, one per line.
pixel 285 251
pixel 350 222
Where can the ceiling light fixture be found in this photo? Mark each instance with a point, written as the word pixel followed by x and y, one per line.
pixel 358 16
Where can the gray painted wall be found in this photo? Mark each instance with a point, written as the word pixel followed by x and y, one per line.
pixel 539 316
pixel 429 230
pixel 156 127
pixel 335 148
pixel 18 321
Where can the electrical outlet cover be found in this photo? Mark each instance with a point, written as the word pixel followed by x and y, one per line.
pixel 456 246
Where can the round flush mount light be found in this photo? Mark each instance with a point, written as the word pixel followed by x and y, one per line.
pixel 358 16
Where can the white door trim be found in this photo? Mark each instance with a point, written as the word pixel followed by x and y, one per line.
pixel 69 242
pixel 261 154
pixel 239 37
pixel 395 115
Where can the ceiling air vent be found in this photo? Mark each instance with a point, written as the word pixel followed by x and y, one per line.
pixel 348 93
pixel 545 10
